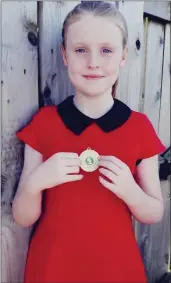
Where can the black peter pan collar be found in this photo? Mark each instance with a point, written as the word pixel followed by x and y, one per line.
pixel 77 122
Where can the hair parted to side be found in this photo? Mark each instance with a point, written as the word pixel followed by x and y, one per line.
pixel 99 9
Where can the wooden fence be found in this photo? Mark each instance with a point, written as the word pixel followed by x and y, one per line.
pixel 33 75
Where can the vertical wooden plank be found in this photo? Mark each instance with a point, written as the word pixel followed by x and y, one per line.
pixel 0 119
pixel 19 102
pixel 55 84
pixel 130 74
pixel 143 64
pixel 164 123
pixel 159 9
pixel 154 239
pixel 153 77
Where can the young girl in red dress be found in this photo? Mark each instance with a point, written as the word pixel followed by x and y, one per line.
pixel 90 164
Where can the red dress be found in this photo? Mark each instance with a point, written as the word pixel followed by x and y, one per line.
pixel 85 232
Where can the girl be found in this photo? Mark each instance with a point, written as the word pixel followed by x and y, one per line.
pixel 82 158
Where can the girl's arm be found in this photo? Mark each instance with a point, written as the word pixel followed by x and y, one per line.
pixel 26 206
pixel 142 194
pixel 147 203
pixel 37 176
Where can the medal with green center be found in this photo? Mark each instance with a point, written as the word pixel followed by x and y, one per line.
pixel 89 160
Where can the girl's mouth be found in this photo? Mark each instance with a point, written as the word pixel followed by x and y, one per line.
pixel 93 77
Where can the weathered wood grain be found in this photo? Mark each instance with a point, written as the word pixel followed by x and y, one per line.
pixel 153 76
pixel 154 241
pixel 19 84
pixel 160 9
pixel 153 245
pixel 0 120
pixel 143 63
pixel 130 74
pixel 55 84
pixel 19 102
pixel 164 121
pixel 14 248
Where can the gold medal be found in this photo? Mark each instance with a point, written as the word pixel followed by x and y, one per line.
pixel 89 160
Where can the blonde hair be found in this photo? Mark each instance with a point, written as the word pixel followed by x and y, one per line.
pixel 100 9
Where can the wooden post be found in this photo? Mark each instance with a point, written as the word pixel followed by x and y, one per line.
pixel 160 9
pixel 130 74
pixel 55 84
pixel 0 111
pixel 153 77
pixel 154 239
pixel 140 87
pixel 19 102
pixel 164 122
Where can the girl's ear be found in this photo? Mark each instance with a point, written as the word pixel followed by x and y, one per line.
pixel 124 56
pixel 63 51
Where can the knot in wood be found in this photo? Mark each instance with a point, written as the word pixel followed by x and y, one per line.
pixel 158 94
pixel 47 92
pixel 32 38
pixel 161 40
pixel 138 44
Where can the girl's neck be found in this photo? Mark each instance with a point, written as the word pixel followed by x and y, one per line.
pixel 94 106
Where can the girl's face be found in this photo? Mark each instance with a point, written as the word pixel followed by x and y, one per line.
pixel 93 48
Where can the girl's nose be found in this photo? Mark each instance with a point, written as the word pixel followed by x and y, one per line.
pixel 93 60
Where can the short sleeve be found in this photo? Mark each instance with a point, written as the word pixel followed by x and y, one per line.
pixel 150 143
pixel 32 133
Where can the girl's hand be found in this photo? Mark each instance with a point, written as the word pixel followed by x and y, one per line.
pixel 56 170
pixel 120 176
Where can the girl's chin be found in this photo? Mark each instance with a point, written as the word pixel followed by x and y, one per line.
pixel 94 90
pixel 91 92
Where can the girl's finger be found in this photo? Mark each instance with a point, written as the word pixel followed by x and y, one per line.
pixel 72 178
pixel 111 166
pixel 115 160
pixel 106 184
pixel 68 154
pixel 72 169
pixel 72 162
pixel 110 175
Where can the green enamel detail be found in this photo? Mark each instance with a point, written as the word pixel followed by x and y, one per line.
pixel 89 160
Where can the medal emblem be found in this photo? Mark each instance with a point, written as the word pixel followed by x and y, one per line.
pixel 89 160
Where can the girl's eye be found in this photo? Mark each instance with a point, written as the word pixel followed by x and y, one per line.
pixel 81 50
pixel 107 50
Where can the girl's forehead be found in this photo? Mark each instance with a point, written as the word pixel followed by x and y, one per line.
pixel 93 29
